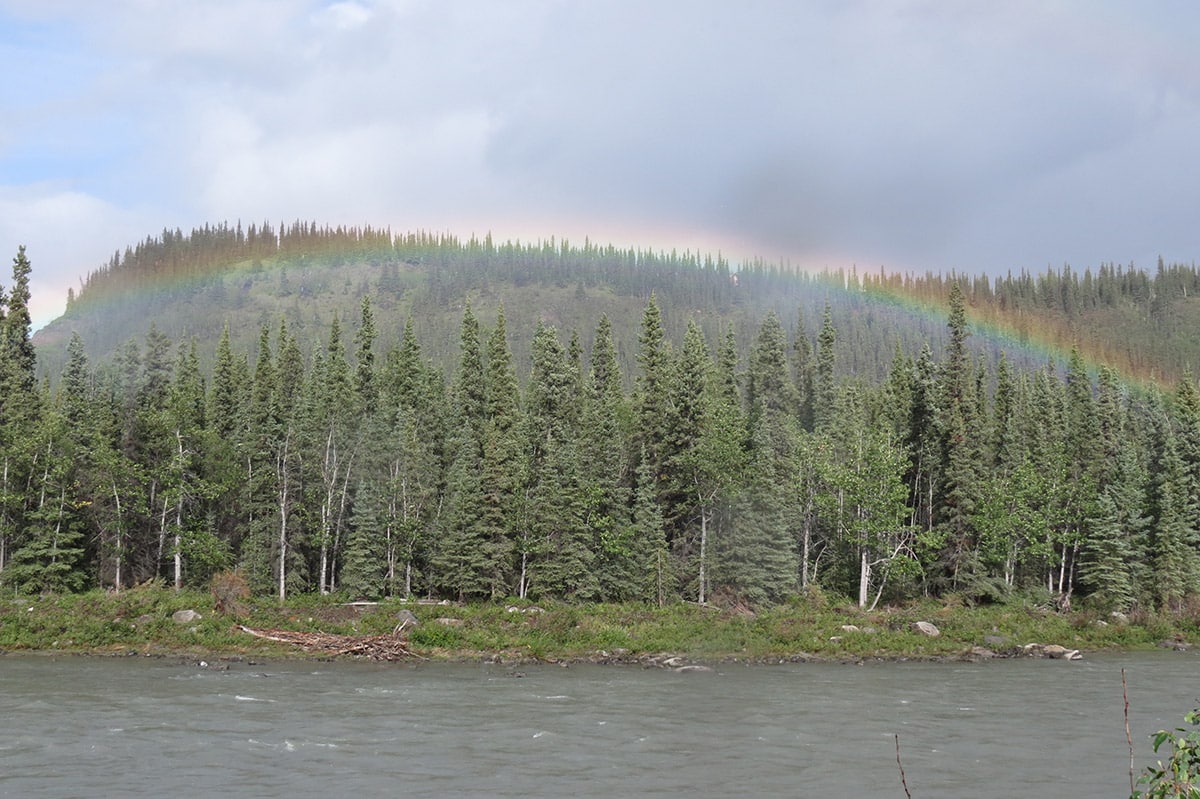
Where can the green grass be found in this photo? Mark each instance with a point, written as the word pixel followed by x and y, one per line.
pixel 140 620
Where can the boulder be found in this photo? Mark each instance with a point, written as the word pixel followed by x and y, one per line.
pixel 850 628
pixel 1061 652
pixel 406 619
pixel 1118 617
pixel 448 622
pixel 1052 651
pixel 927 628
pixel 185 616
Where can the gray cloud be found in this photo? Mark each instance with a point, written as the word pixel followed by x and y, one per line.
pixel 913 135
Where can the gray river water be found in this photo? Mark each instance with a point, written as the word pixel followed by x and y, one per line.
pixel 134 727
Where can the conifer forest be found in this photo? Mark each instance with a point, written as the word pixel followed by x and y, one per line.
pixel 353 412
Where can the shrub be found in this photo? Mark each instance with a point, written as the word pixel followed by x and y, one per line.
pixel 230 590
pixel 1180 775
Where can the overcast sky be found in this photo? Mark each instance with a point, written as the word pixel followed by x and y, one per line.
pixel 976 136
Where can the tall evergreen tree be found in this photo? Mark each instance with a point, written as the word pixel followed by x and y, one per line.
pixel 562 557
pixel 619 548
pixel 20 407
pixel 825 391
pixel 503 463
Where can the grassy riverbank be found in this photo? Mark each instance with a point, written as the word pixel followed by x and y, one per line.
pixel 140 621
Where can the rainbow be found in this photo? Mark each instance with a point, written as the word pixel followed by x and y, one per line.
pixel 992 331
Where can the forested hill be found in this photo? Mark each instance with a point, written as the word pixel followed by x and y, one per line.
pixel 190 286
pixel 418 415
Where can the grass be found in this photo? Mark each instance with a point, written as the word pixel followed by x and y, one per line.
pixel 140 620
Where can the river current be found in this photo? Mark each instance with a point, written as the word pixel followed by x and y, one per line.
pixel 87 727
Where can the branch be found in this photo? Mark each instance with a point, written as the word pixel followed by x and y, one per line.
pixel 1128 737
pixel 903 781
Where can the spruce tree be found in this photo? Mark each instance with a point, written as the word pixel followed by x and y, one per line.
pixel 334 429
pixel 1173 539
pixel 20 407
pixel 824 391
pixel 562 552
pixel 604 467
pixel 1108 559
pixel 651 573
pixel 51 555
pixel 650 387
pixel 503 465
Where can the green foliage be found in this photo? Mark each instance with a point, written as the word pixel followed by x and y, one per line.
pixel 658 472
pixel 1180 775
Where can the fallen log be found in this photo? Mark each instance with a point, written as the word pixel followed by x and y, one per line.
pixel 375 647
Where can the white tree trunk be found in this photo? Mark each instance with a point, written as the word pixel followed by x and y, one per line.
pixel 864 577
pixel 178 543
pixel 120 542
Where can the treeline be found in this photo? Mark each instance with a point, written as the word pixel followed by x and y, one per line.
pixel 715 476
pixel 686 279
pixel 1139 322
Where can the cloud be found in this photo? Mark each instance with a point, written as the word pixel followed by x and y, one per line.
pixel 912 134
pixel 63 232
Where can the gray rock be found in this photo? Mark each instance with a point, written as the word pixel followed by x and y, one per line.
pixel 1051 650
pixel 406 619
pixel 691 669
pixel 448 622
pixel 927 628
pixel 1118 617
pixel 1061 652
pixel 850 628
pixel 185 616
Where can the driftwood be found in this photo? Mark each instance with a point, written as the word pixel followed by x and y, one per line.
pixel 376 647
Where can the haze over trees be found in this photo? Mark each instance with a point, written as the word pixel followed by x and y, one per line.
pixel 711 434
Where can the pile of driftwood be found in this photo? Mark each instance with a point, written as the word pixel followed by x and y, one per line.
pixel 376 647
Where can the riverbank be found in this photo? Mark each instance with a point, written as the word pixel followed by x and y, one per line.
pixel 152 621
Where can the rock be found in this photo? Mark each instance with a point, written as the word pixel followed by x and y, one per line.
pixel 406 619
pixel 1118 617
pixel 448 622
pixel 185 616
pixel 927 628
pixel 982 652
pixel 143 620
pixel 836 639
pixel 995 640
pixel 1061 652
pixel 1178 646
pixel 849 628
pixel 691 669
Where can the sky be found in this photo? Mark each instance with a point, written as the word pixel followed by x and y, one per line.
pixel 912 135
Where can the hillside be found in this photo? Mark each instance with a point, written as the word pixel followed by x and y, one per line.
pixel 192 286
pixel 636 426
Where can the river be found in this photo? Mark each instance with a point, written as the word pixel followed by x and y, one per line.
pixel 87 726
